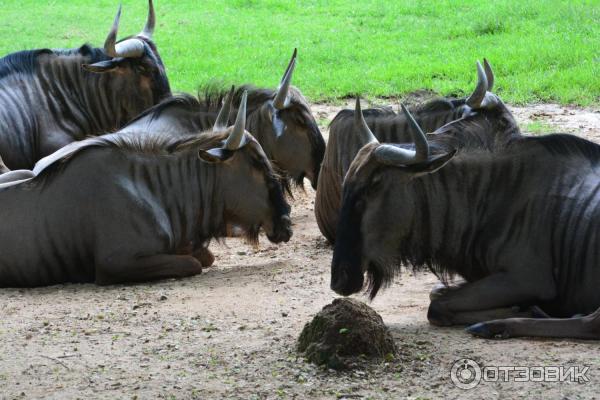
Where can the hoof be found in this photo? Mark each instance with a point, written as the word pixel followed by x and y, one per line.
pixel 488 330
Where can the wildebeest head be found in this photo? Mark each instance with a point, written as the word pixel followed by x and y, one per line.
pixel 284 125
pixel 374 216
pixel 252 193
pixel 486 122
pixel 379 208
pixel 135 64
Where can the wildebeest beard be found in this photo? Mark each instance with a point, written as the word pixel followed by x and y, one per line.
pixel 276 189
pixel 348 246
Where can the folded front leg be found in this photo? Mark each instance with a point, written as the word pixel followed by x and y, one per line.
pixel 146 268
pixel 473 302
pixel 587 327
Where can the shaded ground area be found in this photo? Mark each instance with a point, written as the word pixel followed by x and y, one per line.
pixel 231 332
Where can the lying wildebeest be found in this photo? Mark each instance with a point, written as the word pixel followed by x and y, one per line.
pixel 50 98
pixel 131 208
pixel 345 140
pixel 516 217
pixel 280 120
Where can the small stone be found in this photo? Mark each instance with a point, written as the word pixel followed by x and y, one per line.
pixel 163 298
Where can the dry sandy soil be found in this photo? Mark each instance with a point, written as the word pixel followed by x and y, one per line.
pixel 231 332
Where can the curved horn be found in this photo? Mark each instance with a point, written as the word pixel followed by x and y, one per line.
pixel 489 74
pixel 292 61
pixel 111 39
pixel 130 48
pixel 393 155
pixel 234 140
pixel 150 22
pixel 475 99
pixel 361 125
pixel 223 117
pixel 421 144
pixel 281 99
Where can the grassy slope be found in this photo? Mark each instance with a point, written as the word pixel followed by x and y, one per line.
pixel 542 50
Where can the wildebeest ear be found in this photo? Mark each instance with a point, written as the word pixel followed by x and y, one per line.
pixel 215 155
pixel 103 66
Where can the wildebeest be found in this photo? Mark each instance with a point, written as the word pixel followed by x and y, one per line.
pixel 280 120
pixel 517 217
pixel 50 98
pixel 345 140
pixel 131 208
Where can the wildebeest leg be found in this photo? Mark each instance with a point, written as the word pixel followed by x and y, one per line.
pixel 440 288
pixel 587 327
pixel 492 292
pixel 473 317
pixel 143 269
pixel 204 255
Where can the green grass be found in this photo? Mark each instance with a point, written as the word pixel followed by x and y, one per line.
pixel 539 128
pixel 542 50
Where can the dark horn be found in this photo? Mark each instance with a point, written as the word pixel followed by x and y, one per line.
pixel 150 22
pixel 292 61
pixel 421 144
pixel 475 99
pixel 111 39
pixel 489 74
pixel 223 118
pixel 235 138
pixel 281 99
pixel 361 125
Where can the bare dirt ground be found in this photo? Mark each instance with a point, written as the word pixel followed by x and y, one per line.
pixel 231 332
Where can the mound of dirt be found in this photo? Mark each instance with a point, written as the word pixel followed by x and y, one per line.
pixel 343 331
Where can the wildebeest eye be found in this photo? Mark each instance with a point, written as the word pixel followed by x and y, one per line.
pixel 374 184
pixel 375 180
pixel 140 69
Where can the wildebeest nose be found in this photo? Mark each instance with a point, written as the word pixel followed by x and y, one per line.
pixel 342 284
pixel 287 235
pixel 339 283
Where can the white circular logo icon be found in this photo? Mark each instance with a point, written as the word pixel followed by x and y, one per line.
pixel 465 374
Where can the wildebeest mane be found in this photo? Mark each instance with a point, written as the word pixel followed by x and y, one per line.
pixel 440 104
pixel 211 96
pixel 131 142
pixel 347 114
pixel 187 101
pixel 25 62
pixel 489 132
